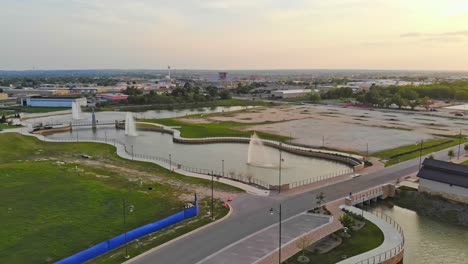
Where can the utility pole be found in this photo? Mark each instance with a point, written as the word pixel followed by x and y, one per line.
pixel 212 197
pixel 170 162
pixel 420 153
pixel 459 143
pixel 124 203
pixel 222 166
pixel 279 236
pixel 367 151
pixel 280 161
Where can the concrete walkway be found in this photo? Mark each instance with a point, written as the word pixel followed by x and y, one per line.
pixel 392 240
pixel 261 244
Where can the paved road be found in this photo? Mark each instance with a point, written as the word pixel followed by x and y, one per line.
pixel 251 214
pixel 247 251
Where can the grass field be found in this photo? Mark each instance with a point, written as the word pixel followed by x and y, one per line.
pixel 400 154
pixel 6 126
pixel 363 240
pixel 227 102
pixel 32 110
pixel 55 203
pixel 218 129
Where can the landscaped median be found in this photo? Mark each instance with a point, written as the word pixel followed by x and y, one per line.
pixel 213 129
pixel 408 152
pixel 61 198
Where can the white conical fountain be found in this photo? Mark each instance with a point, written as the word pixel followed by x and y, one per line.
pixel 258 154
pixel 76 110
pixel 130 127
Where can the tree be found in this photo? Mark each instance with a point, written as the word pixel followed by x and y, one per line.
pixel 320 198
pixel 430 156
pixel 465 147
pixel 225 94
pixel 3 119
pixel 451 154
pixel 302 243
pixel 426 102
pixel 414 103
pixel 314 97
pixel 347 220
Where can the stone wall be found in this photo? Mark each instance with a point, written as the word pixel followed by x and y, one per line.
pixel 445 195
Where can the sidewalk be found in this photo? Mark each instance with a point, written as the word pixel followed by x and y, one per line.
pixel 392 239
pixel 265 242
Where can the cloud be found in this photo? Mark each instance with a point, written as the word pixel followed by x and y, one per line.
pixel 460 33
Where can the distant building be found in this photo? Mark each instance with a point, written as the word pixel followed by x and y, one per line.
pixel 111 97
pixel 3 96
pixel 446 179
pixel 290 93
pixel 39 101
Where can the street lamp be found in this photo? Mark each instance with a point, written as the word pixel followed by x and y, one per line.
pixel 212 196
pixel 222 166
pixel 170 162
pixel 132 152
pixel 420 154
pixel 124 212
pixel 280 161
pixel 459 143
pixel 272 212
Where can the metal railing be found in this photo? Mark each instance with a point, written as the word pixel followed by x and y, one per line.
pixel 320 178
pixel 391 252
pixel 366 195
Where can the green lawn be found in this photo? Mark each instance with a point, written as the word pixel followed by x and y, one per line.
pixel 227 102
pixel 217 129
pixel 6 126
pixel 400 154
pixel 363 240
pixel 51 210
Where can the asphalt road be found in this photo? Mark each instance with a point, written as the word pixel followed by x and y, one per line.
pixel 251 214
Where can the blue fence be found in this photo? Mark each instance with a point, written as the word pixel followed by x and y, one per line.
pixel 119 240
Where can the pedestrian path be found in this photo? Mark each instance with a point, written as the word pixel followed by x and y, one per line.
pixel 393 239
pixel 261 244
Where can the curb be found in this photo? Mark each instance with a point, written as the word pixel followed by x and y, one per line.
pixel 180 237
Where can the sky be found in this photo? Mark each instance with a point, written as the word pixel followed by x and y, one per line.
pixel 234 34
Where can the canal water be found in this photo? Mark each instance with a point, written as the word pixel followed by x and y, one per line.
pixel 429 241
pixel 203 156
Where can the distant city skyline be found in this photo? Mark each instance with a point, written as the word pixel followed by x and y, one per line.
pixel 234 34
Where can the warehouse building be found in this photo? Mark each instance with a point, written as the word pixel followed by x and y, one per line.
pixel 39 101
pixel 445 179
pixel 290 93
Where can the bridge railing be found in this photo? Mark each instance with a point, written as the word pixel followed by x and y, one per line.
pixel 366 195
pixel 393 252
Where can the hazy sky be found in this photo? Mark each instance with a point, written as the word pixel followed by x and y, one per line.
pixel 234 34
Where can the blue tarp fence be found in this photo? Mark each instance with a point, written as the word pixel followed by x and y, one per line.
pixel 136 233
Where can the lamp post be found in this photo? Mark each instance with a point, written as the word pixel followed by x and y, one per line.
pixel 222 166
pixel 212 196
pixel 459 143
pixel 124 212
pixel 170 162
pixel 272 211
pixel 132 152
pixel 420 154
pixel 280 161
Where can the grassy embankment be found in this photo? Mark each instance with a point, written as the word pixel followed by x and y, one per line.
pixel 215 103
pixel 363 240
pixel 215 129
pixel 55 203
pixel 404 153
pixel 33 110
pixel 6 126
